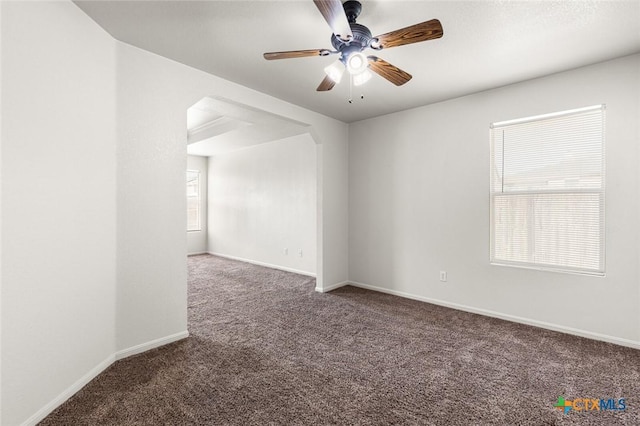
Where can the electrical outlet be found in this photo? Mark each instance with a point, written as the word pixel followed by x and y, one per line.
pixel 285 251
pixel 443 276
pixel 300 252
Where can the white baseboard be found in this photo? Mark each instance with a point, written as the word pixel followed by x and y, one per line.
pixel 268 265
pixel 143 347
pixel 513 318
pixel 95 371
pixel 331 287
pixel 69 392
pixel 197 253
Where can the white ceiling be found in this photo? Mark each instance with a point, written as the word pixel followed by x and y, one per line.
pixel 217 125
pixel 486 44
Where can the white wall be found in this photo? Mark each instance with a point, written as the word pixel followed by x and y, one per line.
pixel 333 199
pixel 197 240
pixel 151 241
pixel 153 95
pixel 58 204
pixel 93 207
pixel 262 199
pixel 419 204
pixel 1 138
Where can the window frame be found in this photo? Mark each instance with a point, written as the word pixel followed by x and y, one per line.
pixel 601 191
pixel 198 197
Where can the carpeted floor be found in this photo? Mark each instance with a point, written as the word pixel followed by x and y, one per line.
pixel 266 349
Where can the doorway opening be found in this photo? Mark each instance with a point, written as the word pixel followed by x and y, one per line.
pixel 257 192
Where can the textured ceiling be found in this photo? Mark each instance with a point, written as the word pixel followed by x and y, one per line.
pixel 486 44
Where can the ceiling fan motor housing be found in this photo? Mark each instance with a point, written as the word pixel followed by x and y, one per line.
pixel 360 41
pixel 352 9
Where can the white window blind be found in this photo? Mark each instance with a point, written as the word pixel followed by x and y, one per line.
pixel 547 191
pixel 193 200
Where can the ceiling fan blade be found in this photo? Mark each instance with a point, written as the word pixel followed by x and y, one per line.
pixel 424 31
pixel 295 54
pixel 333 13
pixel 327 84
pixel 388 71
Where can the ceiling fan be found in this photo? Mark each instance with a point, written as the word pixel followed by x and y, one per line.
pixel 350 39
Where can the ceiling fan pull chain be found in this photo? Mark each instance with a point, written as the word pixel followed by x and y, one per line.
pixel 350 88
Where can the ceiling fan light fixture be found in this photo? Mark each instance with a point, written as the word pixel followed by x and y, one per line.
pixel 362 78
pixel 335 71
pixel 350 38
pixel 357 63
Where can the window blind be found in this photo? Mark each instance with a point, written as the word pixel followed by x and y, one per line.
pixel 547 191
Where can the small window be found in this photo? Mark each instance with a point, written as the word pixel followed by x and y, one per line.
pixel 547 191
pixel 193 200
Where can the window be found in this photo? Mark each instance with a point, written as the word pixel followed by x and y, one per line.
pixel 547 191
pixel 193 200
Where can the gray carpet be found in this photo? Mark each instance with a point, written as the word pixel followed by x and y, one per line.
pixel 266 349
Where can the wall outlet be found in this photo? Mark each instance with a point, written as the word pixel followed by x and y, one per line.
pixel 300 252
pixel 443 276
pixel 285 251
